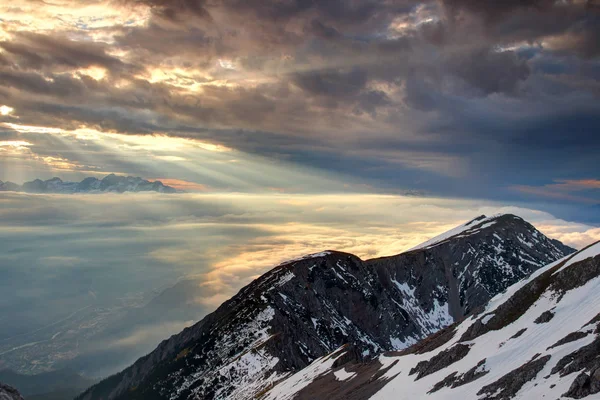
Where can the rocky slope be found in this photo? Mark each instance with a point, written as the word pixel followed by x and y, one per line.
pixel 9 393
pixel 65 382
pixel 110 183
pixel 538 339
pixel 306 308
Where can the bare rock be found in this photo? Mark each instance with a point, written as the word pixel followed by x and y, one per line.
pixel 571 337
pixel 507 387
pixel 440 361
pixel 546 316
pixel 584 385
pixel 9 393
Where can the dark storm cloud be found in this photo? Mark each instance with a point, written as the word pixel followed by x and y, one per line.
pixel 332 83
pixel 40 51
pixel 498 9
pixel 572 25
pixel 33 82
pixel 490 71
pixel 173 10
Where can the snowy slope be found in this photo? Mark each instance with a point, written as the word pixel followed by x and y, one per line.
pixel 540 339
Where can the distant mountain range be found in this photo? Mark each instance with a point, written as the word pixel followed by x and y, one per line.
pixel 330 309
pixel 110 183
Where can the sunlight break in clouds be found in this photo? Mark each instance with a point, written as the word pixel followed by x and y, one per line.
pixel 6 110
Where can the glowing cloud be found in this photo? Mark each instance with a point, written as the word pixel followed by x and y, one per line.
pixel 6 110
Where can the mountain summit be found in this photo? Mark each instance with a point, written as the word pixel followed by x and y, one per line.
pixel 110 183
pixel 540 339
pixel 307 308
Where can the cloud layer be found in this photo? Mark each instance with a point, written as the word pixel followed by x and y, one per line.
pixel 79 268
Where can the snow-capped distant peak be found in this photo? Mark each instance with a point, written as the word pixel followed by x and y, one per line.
pixel 110 183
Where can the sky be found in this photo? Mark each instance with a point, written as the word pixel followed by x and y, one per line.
pixel 294 126
pixel 449 98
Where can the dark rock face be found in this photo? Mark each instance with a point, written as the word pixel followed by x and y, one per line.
pixel 571 337
pixel 471 375
pixel 110 183
pixel 586 358
pixel 507 387
pixel 307 308
pixel 453 380
pixel 440 361
pixel 9 393
pixel 546 316
pixel 446 382
pixel 561 246
pixel 519 333
pixel 571 278
pixel 466 268
pixel 585 385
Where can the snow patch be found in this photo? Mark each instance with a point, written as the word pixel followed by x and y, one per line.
pixel 487 318
pixel 305 257
pixel 343 375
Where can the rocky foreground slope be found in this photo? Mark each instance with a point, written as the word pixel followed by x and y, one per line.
pixel 538 340
pixel 9 393
pixel 307 308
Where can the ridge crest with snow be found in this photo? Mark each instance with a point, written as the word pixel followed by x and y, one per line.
pixel 305 309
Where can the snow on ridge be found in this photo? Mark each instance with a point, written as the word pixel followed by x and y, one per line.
pixel 503 352
pixel 305 257
pixel 484 222
pixel 248 363
pixel 590 251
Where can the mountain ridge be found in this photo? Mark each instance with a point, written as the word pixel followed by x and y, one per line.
pixel 306 308
pixel 538 339
pixel 110 183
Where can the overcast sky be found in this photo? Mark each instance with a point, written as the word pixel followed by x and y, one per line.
pixel 450 98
